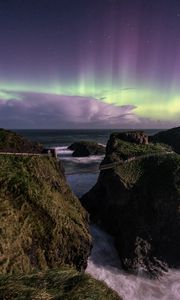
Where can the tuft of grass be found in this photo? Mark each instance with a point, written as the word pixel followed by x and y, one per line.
pixel 57 284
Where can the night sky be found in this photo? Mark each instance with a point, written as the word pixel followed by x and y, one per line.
pixel 89 63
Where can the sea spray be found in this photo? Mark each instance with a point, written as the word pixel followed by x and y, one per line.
pixel 104 264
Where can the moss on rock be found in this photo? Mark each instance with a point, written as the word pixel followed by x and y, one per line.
pixel 42 223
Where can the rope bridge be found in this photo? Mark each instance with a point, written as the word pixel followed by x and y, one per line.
pixel 115 164
pixel 52 153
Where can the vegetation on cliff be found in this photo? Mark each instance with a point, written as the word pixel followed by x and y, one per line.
pixel 138 202
pixel 119 149
pixel 42 223
pixel 44 231
pixel 12 142
pixel 62 284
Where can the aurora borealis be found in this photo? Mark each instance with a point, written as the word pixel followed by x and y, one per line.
pixel 89 64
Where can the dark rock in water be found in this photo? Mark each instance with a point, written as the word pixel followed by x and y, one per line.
pixel 170 137
pixel 43 225
pixel 138 202
pixel 86 148
pixel 13 142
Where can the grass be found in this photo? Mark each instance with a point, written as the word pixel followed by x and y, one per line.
pixel 59 284
pixel 12 142
pixel 126 149
pixel 42 223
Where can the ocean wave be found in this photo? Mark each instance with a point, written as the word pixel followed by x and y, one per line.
pixel 84 160
pixel 65 154
pixel 63 150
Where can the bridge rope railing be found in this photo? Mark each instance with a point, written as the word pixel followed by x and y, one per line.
pixel 100 168
pixel 115 164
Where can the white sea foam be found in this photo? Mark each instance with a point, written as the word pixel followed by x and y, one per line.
pixel 105 265
pixel 84 160
pixel 65 154
pixel 63 150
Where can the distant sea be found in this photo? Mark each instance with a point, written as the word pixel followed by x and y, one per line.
pixel 104 263
pixel 64 137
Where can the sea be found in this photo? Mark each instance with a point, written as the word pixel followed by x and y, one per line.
pixel 104 263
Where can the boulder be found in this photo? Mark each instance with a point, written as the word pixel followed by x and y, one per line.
pixel 138 203
pixel 86 148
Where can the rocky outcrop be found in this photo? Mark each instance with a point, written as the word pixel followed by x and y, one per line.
pixel 138 203
pixel 86 148
pixel 12 142
pixel 170 137
pixel 43 224
pixel 138 137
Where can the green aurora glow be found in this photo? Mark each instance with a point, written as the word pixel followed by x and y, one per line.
pixel 149 102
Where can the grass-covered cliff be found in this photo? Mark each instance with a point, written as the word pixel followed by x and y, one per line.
pixel 44 230
pixel 119 149
pixel 13 142
pixel 42 223
pixel 62 284
pixel 138 202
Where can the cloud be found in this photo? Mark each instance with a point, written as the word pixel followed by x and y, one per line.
pixel 38 110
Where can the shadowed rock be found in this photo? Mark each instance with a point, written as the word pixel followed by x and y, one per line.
pixel 86 148
pixel 170 137
pixel 138 203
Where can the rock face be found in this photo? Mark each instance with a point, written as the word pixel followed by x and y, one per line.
pixel 86 148
pixel 170 137
pixel 139 203
pixel 43 224
pixel 12 142
pixel 137 137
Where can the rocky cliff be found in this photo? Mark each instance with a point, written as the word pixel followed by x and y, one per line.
pixel 138 202
pixel 44 230
pixel 170 137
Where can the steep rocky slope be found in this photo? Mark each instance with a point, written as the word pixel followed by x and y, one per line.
pixel 139 203
pixel 42 223
pixel 44 230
